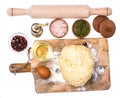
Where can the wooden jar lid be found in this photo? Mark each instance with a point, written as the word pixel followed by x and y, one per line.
pixel 104 26
pixel 107 28
pixel 97 21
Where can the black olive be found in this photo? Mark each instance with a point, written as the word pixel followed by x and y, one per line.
pixel 85 44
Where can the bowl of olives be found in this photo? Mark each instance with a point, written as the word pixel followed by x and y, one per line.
pixel 18 42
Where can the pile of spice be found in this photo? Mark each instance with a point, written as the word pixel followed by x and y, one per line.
pixel 59 28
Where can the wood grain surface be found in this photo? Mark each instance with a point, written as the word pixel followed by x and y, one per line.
pixel 101 83
pixel 45 86
pixel 65 11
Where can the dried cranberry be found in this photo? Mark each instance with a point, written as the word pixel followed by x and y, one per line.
pixel 85 44
pixel 18 43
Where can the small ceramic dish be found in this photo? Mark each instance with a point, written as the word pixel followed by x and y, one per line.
pixel 81 28
pixel 58 28
pixel 18 42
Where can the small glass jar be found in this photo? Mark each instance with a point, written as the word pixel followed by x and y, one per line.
pixel 41 51
pixel 36 29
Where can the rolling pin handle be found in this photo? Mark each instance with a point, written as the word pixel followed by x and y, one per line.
pixel 16 11
pixel 109 10
pixel 101 11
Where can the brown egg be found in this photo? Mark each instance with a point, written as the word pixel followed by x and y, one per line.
pixel 43 72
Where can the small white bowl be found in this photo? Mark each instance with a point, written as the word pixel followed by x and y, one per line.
pixel 22 36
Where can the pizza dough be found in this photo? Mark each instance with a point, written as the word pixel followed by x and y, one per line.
pixel 76 64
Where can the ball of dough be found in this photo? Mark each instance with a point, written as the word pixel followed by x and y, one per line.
pixel 76 64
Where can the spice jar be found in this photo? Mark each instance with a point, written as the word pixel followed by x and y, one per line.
pixel 36 29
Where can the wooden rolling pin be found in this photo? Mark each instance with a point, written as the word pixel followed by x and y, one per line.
pixel 59 11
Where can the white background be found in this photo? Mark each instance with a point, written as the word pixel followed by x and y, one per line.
pixel 22 85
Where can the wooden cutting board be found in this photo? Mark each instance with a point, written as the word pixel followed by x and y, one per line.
pixel 100 79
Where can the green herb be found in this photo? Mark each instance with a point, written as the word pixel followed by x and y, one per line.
pixel 81 28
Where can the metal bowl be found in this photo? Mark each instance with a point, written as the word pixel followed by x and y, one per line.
pixel 36 30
